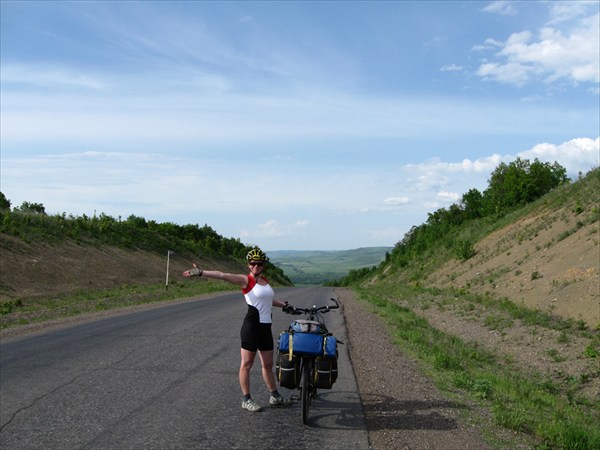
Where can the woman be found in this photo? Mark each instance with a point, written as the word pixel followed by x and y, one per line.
pixel 256 329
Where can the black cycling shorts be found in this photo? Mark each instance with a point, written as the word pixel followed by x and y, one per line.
pixel 256 336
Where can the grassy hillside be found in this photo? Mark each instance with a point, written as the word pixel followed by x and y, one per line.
pixel 55 266
pixel 504 311
pixel 318 267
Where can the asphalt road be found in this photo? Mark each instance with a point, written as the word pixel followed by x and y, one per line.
pixel 165 378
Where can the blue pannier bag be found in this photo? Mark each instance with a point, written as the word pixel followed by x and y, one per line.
pixel 284 342
pixel 330 346
pixel 309 344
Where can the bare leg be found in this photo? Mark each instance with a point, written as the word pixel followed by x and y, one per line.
pixel 266 359
pixel 245 366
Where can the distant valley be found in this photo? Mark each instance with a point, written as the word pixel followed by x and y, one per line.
pixel 305 267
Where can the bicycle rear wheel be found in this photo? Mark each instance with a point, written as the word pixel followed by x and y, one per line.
pixel 307 384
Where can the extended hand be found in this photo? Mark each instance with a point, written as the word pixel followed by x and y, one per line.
pixel 193 272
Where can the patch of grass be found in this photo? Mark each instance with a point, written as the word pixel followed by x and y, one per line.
pixel 22 312
pixel 555 355
pixel 464 249
pixel 535 275
pixel 10 306
pixel 591 352
pixel 497 322
pixel 563 338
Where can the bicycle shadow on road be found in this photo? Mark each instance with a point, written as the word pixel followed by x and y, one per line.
pixel 341 406
pixel 388 413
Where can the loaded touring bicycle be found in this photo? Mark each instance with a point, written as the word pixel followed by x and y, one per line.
pixel 307 355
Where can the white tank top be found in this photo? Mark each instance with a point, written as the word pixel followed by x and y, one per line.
pixel 260 297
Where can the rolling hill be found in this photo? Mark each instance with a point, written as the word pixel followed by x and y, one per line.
pixel 318 267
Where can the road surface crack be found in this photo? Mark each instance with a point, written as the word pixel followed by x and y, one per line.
pixel 36 400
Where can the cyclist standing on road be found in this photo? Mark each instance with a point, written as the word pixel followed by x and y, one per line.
pixel 256 332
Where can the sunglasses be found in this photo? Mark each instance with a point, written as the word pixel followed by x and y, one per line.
pixel 256 263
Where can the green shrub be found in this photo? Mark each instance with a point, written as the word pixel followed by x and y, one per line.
pixel 464 249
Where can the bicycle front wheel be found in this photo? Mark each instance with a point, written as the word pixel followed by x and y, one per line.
pixel 306 388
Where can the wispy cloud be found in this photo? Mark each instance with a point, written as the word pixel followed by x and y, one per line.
pixel 157 122
pixel 561 11
pixel 275 229
pixel 394 201
pixel 449 197
pixel 452 68
pixel 46 76
pixel 502 7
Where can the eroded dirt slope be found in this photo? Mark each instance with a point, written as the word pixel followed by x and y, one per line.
pixel 37 269
pixel 547 260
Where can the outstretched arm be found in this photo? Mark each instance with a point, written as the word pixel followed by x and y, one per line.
pixel 279 303
pixel 237 279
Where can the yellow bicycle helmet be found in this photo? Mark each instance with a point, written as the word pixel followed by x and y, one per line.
pixel 256 254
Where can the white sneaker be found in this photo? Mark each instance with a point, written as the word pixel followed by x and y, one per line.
pixel 250 405
pixel 276 401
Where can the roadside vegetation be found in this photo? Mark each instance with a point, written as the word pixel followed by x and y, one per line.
pixel 30 222
pixel 548 395
pixel 41 309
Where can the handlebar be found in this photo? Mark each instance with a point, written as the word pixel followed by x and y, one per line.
pixel 315 309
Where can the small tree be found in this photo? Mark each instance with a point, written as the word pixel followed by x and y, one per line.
pixel 521 182
pixel 35 208
pixel 472 204
pixel 4 202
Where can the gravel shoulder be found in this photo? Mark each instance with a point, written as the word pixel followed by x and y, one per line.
pixel 403 408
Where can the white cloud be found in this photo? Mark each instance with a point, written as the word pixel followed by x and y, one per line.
pixel 576 155
pixel 452 68
pixel 511 73
pixel 489 44
pixel 395 201
pixel 550 55
pixel 436 172
pixel 437 183
pixel 502 7
pixel 274 229
pixel 481 165
pixel 448 197
pixel 579 154
pixel 561 11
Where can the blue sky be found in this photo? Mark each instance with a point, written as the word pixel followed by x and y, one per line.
pixel 291 125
